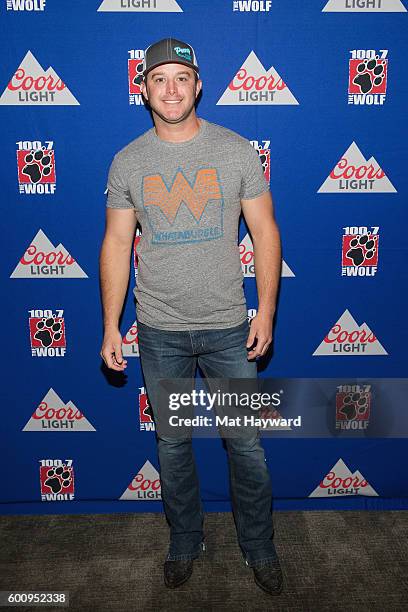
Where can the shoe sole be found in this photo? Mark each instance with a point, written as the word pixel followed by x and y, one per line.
pixel 275 592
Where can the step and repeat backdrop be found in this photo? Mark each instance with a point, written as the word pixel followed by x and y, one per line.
pixel 320 90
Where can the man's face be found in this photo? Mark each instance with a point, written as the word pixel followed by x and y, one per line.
pixel 171 91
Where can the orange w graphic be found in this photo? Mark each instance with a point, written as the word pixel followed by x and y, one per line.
pixel 206 187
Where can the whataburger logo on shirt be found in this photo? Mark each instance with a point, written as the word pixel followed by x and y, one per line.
pixel 184 212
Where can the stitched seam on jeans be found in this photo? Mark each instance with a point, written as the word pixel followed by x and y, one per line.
pixel 194 367
pixel 234 495
pixel 231 471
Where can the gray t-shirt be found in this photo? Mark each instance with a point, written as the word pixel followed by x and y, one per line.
pixel 186 196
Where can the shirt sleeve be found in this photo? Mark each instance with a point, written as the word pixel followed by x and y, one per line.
pixel 253 182
pixel 117 188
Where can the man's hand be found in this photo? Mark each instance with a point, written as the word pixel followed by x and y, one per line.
pixel 261 331
pixel 111 351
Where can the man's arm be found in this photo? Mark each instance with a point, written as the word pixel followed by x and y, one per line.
pixel 114 268
pixel 260 219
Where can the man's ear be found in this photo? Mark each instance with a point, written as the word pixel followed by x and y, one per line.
pixel 199 85
pixel 143 89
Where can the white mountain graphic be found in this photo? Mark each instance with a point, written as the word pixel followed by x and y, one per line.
pixel 355 158
pixel 33 69
pixel 149 474
pixel 286 271
pixel 44 245
pixel 341 471
pixel 249 247
pixel 151 6
pixel 254 68
pixel 348 324
pixel 130 345
pixel 54 402
pixel 386 6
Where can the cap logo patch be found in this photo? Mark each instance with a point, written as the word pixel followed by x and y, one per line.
pixel 184 53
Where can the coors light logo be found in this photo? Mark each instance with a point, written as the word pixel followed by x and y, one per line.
pixel 346 337
pixel 43 260
pixel 145 486
pixel 340 481
pixel 354 174
pixel 52 414
pixel 246 253
pixel 140 6
pixel 32 85
pixel 252 84
pixel 130 342
pixel 364 6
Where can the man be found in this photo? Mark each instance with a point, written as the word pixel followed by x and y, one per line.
pixel 186 181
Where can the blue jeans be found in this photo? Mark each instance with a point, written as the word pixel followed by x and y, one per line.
pixel 220 353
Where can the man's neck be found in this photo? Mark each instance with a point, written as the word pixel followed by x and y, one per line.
pixel 177 132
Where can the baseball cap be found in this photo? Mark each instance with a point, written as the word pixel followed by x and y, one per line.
pixel 169 51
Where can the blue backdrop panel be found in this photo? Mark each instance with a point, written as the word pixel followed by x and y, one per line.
pixel 319 88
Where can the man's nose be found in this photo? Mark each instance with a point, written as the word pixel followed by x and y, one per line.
pixel 171 86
